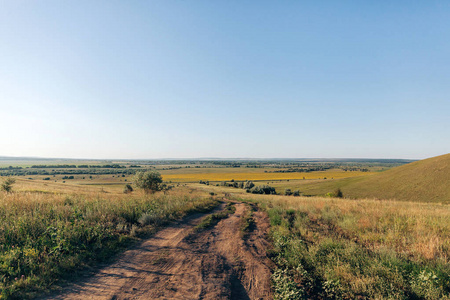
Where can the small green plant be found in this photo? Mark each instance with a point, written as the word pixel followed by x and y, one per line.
pixel 285 287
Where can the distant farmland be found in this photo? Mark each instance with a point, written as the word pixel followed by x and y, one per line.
pixel 253 176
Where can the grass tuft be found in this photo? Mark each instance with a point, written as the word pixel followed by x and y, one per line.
pixel 211 220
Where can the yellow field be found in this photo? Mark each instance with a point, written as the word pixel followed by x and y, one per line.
pixel 242 176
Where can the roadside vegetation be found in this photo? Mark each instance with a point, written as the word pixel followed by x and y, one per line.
pixel 330 248
pixel 212 219
pixel 45 236
pixel 247 222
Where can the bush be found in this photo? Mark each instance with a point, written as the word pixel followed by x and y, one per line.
pixel 149 181
pixel 248 185
pixel 263 189
pixel 127 189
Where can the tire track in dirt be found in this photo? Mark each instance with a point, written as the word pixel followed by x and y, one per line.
pixel 181 263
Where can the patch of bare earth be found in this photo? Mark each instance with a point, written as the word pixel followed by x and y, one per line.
pixel 180 263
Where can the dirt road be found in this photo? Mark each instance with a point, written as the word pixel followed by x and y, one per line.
pixel 181 263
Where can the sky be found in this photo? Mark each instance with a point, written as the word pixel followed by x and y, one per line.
pixel 230 79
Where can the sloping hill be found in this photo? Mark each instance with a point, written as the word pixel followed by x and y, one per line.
pixel 426 180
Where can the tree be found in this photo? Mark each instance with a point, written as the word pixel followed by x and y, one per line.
pixel 150 181
pixel 7 184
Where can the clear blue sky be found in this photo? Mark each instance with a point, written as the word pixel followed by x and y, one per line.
pixel 183 79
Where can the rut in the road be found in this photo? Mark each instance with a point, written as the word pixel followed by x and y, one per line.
pixel 178 263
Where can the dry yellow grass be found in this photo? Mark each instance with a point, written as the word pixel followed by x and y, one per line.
pixel 50 187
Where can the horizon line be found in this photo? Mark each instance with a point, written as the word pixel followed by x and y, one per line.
pixel 204 158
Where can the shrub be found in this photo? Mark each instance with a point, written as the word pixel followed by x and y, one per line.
pixel 338 193
pixel 263 189
pixel 127 189
pixel 7 184
pixel 149 181
pixel 248 185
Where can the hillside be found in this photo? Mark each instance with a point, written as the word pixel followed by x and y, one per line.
pixel 426 180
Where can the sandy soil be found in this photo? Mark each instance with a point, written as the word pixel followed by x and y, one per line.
pixel 180 263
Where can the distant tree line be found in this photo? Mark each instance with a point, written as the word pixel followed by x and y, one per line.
pixel 301 170
pixel 113 166
pixel 249 186
pixel 11 168
pixel 90 171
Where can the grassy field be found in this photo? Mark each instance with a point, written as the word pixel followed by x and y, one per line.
pixel 49 231
pixel 328 248
pixel 258 176
pixel 422 181
pixel 192 175
pixel 324 248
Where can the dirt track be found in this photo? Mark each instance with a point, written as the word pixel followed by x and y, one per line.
pixel 179 263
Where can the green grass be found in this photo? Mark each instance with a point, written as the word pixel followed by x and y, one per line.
pixel 43 237
pixel 346 249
